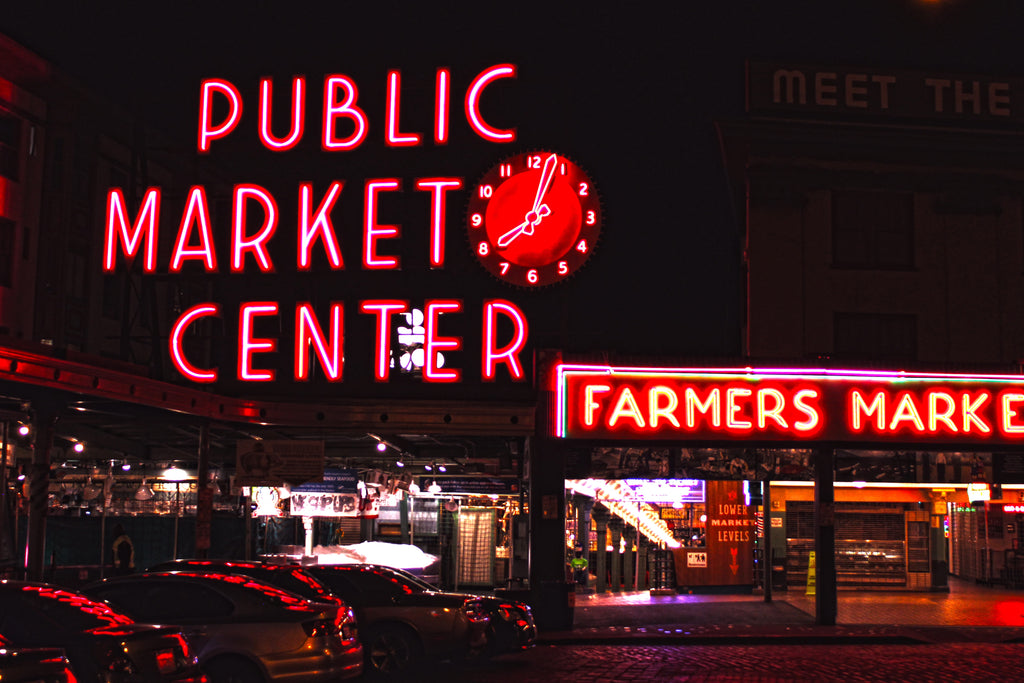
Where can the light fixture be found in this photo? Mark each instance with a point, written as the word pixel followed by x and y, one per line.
pixel 428 468
pixel 78 447
pixel 126 466
pixel 144 492
pixel 399 463
pixel 174 473
pixel 23 429
pixel 442 468
pixel 381 446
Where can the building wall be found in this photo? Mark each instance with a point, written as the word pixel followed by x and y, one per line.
pixel 963 290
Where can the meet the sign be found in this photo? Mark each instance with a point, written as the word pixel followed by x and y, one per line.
pixel 877 93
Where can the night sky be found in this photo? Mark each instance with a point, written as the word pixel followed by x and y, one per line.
pixel 630 94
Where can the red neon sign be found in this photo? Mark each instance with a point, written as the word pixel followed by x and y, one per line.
pixel 844 406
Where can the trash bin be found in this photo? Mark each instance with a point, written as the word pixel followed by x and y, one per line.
pixel 553 605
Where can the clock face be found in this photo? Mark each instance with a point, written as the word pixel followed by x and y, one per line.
pixel 534 219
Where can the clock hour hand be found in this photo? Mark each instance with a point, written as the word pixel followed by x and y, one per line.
pixel 515 232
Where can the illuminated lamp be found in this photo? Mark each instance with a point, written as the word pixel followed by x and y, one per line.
pixel 428 467
pixel 23 429
pixel 78 447
pixel 174 474
pixel 381 446
pixel 126 466
pixel 399 463
pixel 442 468
pixel 434 487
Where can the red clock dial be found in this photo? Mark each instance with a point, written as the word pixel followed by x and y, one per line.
pixel 534 219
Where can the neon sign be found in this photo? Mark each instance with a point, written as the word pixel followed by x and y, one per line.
pixel 1013 508
pixel 786 405
pixel 257 223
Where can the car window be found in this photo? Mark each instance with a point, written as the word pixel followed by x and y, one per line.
pixel 167 600
pixel 375 583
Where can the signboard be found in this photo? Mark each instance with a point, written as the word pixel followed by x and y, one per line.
pixel 335 480
pixel 275 463
pixel 978 493
pixel 787 405
pixel 880 93
pixel 661 491
pixel 309 504
pixel 484 486
pixel 696 559
pixel 535 220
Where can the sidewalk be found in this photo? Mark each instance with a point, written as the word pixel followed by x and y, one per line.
pixel 968 613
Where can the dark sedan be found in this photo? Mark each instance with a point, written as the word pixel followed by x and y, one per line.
pixel 34 664
pixel 400 624
pixel 101 644
pixel 243 630
pixel 510 628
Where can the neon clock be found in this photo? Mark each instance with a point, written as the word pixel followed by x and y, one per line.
pixel 534 219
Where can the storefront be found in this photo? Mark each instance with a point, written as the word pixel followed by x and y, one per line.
pixel 794 464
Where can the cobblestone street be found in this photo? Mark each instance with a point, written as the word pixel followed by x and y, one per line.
pixel 974 662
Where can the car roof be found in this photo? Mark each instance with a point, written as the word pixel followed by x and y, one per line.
pixel 248 585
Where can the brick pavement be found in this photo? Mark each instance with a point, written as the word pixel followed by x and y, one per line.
pixel 967 613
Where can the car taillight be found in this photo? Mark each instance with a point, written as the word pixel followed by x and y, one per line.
pixel 475 612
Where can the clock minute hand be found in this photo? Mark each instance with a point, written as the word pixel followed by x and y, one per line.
pixel 539 210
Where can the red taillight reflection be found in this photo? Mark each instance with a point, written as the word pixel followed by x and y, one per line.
pixel 166 662
pixel 475 612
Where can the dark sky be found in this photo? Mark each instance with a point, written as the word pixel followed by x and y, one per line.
pixel 629 90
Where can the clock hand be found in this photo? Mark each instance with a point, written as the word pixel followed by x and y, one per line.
pixel 539 210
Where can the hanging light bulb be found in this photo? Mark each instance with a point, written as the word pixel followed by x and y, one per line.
pixel 78 447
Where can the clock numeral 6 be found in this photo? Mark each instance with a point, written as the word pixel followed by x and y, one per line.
pixel 531 276
pixel 582 247
pixel 563 267
pixel 591 218
pixel 483 249
pixel 486 191
pixel 477 220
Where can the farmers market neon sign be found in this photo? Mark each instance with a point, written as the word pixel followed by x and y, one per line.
pixel 785 405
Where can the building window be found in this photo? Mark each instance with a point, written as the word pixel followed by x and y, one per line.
pixel 875 336
pixel 7 232
pixel 10 143
pixel 872 229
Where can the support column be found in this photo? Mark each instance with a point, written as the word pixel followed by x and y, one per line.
pixel 826 607
pixel 601 515
pixel 616 526
pixel 44 421
pixel 551 592
pixel 628 558
pixel 766 537
pixel 204 495
pixel 643 547
pixel 584 508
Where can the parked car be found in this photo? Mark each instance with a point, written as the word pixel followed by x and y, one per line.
pixel 510 624
pixel 400 624
pixel 242 630
pixel 290 577
pixel 101 644
pixel 33 664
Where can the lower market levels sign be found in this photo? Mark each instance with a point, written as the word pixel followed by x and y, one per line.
pixel 787 405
